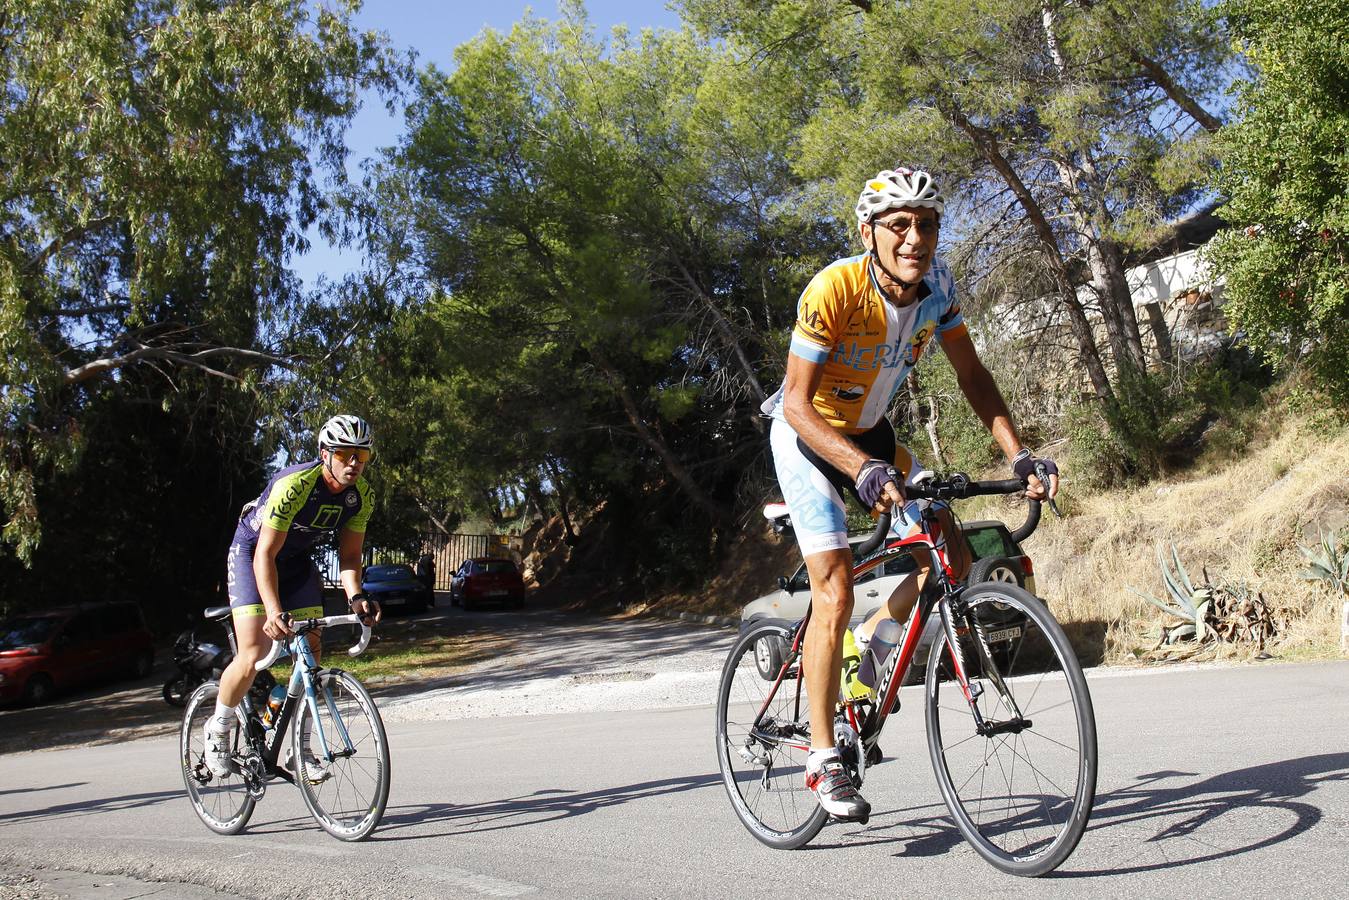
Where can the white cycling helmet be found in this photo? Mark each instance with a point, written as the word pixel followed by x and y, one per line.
pixel 345 431
pixel 896 189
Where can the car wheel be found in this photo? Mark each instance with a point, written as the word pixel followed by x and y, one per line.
pixel 143 664
pixel 38 690
pixel 997 569
pixel 769 652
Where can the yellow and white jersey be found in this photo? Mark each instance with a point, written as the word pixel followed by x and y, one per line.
pixel 867 344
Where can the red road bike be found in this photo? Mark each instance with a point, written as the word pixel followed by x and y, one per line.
pixel 1010 727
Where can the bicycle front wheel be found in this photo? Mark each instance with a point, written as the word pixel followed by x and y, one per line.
pixel 763 765
pixel 347 787
pixel 224 804
pixel 1020 784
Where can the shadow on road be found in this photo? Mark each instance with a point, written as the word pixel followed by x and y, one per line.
pixel 1162 821
pixel 91 807
pixel 533 809
pixel 45 787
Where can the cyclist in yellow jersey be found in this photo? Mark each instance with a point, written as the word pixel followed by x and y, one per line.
pixel 862 324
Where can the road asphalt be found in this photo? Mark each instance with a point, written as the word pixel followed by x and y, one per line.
pixel 584 766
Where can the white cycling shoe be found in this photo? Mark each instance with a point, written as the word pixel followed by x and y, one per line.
pixel 316 771
pixel 218 748
pixel 836 792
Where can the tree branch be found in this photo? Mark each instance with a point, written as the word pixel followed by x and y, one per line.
pixel 59 242
pixel 96 367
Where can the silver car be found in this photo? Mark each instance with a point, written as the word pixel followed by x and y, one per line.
pixel 997 557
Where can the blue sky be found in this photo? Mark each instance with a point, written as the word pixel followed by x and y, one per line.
pixel 434 28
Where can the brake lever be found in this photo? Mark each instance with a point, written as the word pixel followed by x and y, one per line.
pixel 1041 474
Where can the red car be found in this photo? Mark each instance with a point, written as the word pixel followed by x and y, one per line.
pixel 487 580
pixel 43 652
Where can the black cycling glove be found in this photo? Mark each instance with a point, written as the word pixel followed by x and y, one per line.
pixel 1023 464
pixel 871 479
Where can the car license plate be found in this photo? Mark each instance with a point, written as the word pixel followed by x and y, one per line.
pixel 394 601
pixel 497 593
pixel 1004 634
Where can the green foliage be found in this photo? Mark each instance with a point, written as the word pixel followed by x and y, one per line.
pixel 157 169
pixel 1097 459
pixel 1329 562
pixel 965 442
pixel 615 240
pixel 1210 613
pixel 1285 174
pixel 1184 601
pixel 1158 422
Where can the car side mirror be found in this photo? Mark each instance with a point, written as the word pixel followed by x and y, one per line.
pixel 785 584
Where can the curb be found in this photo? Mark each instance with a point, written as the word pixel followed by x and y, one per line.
pixel 721 621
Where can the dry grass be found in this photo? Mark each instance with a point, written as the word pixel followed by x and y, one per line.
pixel 1242 521
pixel 1241 518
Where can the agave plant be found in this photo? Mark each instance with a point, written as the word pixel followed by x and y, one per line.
pixel 1329 562
pixel 1186 602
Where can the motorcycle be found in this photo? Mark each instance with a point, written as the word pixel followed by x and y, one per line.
pixel 198 662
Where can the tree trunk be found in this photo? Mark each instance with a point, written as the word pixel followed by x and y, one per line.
pixel 1091 218
pixel 653 440
pixel 987 145
pixel 555 475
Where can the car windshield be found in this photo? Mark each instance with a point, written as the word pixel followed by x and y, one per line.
pixel 388 573
pixel 26 632
pixel 496 567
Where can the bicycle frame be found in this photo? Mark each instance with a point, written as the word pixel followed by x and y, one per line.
pixel 300 688
pixel 942 590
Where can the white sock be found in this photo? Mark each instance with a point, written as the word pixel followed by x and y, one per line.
pixel 862 641
pixel 224 714
pixel 816 759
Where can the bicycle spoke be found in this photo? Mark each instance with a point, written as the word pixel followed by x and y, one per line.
pixel 349 799
pixel 1020 795
pixel 768 790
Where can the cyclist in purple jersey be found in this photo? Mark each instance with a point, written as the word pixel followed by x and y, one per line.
pixel 271 576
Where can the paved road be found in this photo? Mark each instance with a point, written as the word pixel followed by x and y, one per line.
pixel 1214 782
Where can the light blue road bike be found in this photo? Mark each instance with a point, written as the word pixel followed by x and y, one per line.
pixel 339 755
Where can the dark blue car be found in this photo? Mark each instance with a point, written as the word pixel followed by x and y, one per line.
pixel 397 588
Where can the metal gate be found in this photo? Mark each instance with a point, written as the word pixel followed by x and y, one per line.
pixel 447 551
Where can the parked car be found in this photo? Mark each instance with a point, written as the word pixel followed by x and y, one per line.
pixel 996 557
pixel 487 580
pixel 397 588
pixel 54 650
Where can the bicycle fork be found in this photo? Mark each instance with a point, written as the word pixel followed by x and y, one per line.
pixel 952 608
pixel 308 674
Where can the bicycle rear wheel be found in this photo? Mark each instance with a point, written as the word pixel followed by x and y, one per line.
pixel 349 797
pixel 1021 790
pixel 763 766
pixel 224 804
